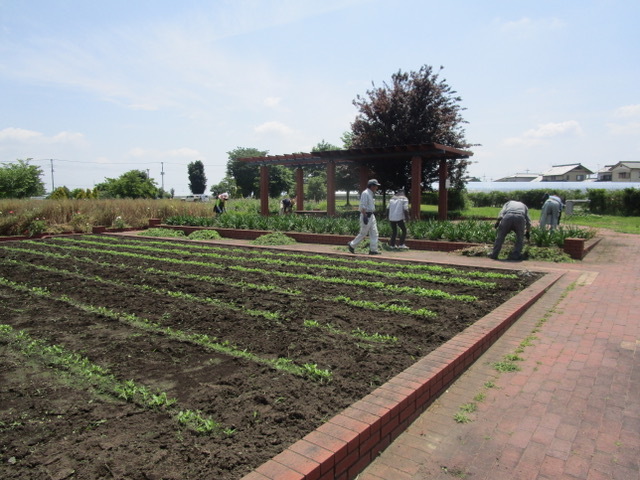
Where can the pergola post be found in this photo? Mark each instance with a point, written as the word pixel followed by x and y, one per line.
pixel 364 178
pixel 331 188
pixel 299 188
pixel 442 190
pixel 264 190
pixel 416 187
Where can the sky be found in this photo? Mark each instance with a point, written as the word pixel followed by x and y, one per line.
pixel 92 89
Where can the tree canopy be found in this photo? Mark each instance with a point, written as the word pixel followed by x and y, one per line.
pixel 417 107
pixel 247 175
pixel 132 184
pixel 197 178
pixel 20 180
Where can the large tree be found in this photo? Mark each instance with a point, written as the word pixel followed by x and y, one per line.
pixel 246 175
pixel 197 178
pixel 20 180
pixel 417 107
pixel 132 184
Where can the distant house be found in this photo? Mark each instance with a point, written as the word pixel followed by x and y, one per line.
pixel 625 172
pixel 573 172
pixel 520 177
pixel 604 174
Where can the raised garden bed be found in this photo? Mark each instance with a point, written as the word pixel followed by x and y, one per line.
pixel 258 347
pixel 576 248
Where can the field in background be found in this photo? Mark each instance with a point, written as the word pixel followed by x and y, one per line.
pixel 20 217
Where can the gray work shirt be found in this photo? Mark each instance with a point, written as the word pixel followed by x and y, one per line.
pixel 513 207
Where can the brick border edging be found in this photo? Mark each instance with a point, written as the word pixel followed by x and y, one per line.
pixel 576 248
pixel 342 447
pixel 324 239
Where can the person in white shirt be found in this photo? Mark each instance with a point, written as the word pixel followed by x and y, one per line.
pixel 368 225
pixel 551 211
pixel 398 213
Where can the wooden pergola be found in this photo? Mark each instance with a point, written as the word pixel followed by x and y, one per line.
pixel 417 154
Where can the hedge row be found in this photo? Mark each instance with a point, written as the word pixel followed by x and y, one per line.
pixel 601 201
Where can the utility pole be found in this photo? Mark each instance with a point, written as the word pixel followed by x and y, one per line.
pixel 162 174
pixel 53 185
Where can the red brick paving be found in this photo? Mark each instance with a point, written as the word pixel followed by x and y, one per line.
pixel 571 412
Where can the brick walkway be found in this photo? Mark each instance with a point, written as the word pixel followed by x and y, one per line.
pixel 572 411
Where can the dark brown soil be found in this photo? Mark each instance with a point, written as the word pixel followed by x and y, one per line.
pixel 56 425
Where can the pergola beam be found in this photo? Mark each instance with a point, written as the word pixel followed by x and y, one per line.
pixel 418 154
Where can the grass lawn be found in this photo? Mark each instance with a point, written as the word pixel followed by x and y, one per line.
pixel 615 223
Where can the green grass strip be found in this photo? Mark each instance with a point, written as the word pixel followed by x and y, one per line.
pixel 156 271
pixel 356 333
pixel 320 267
pixel 393 289
pixel 203 340
pixel 385 307
pixel 333 259
pixel 273 316
pixel 83 371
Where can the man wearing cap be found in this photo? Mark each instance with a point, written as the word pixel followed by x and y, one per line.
pixel 368 225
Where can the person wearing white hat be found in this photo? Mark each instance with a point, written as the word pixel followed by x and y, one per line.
pixel 368 225
pixel 221 203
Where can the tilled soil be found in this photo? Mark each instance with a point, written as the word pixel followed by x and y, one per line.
pixel 101 292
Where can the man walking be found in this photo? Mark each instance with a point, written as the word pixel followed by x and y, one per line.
pixel 368 225
pixel 398 213
pixel 514 217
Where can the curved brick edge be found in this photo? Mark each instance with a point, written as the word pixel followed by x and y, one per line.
pixel 348 442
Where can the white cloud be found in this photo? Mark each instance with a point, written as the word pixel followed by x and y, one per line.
pixel 628 123
pixel 18 134
pixel 628 111
pixel 526 26
pixel 22 135
pixel 631 128
pixel 273 127
pixel 272 101
pixel 536 136
pixel 155 154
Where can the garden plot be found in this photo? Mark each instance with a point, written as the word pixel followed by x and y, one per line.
pixel 139 358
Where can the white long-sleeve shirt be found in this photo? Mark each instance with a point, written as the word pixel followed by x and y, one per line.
pixel 367 201
pixel 398 208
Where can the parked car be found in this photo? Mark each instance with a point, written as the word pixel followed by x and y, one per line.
pixel 196 198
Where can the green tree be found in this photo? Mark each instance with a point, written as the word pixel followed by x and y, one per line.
pixel 60 193
pixel 227 184
pixel 246 175
pixel 317 187
pixel 418 107
pixel 197 178
pixel 280 180
pixel 132 184
pixel 20 180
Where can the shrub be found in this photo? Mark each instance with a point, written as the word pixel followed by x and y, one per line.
pixel 162 232
pixel 275 238
pixel 204 235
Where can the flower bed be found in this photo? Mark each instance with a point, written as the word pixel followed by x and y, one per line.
pixel 179 360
